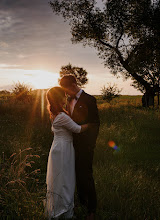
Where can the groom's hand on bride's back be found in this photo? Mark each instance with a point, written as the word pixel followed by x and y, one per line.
pixel 88 126
pixel 84 127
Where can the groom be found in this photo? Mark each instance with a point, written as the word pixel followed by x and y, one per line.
pixel 82 108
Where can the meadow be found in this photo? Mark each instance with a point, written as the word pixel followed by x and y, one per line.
pixel 127 181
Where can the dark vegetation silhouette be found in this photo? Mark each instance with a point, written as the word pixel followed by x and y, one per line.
pixel 125 33
pixel 110 92
pixel 79 73
pixel 22 92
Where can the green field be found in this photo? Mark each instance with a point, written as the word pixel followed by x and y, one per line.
pixel 127 182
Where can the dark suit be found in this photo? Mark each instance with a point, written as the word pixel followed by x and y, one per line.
pixel 85 111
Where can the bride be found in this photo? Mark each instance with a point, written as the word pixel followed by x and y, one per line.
pixel 60 178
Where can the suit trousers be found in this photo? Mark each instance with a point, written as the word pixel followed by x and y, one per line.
pixel 84 177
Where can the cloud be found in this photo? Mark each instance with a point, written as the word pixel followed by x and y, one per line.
pixel 14 4
pixel 30 32
pixel 3 44
pixel 37 38
pixel 8 66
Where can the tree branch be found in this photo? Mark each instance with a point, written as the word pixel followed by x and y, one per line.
pixel 126 66
pixel 121 34
pixel 106 44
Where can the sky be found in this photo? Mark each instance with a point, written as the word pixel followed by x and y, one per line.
pixel 35 43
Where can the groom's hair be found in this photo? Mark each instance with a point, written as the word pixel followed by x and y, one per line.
pixel 67 81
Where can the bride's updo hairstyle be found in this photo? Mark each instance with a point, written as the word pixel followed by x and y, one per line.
pixel 55 96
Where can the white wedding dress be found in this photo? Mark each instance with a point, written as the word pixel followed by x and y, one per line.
pixel 60 177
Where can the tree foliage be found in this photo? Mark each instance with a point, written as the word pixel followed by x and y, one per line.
pixel 125 33
pixel 110 92
pixel 79 73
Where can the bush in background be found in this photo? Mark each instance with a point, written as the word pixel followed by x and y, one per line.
pixel 110 92
pixel 22 92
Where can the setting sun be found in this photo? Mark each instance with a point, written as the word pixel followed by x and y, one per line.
pixel 41 79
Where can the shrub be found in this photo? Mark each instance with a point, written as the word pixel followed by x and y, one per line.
pixel 22 92
pixel 110 92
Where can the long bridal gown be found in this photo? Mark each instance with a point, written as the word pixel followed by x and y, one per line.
pixel 60 178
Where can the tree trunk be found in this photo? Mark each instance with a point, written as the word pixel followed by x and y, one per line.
pixel 148 99
pixel 158 91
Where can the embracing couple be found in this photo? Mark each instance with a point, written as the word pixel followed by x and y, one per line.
pixel 70 158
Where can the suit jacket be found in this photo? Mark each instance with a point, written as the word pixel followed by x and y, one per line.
pixel 86 111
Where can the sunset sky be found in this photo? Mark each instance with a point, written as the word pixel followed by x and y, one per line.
pixel 35 43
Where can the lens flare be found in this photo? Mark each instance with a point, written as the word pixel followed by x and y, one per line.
pixel 113 145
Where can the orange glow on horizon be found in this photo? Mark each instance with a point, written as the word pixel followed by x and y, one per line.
pixel 36 79
pixel 42 79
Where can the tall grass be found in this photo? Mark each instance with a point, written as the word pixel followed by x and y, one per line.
pixel 20 196
pixel 127 182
